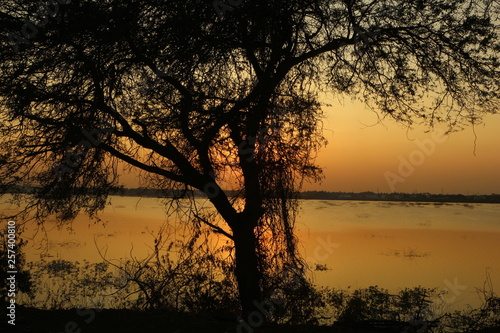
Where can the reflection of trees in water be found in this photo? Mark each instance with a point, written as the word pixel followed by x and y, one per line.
pixel 63 284
pixel 200 103
pixel 194 284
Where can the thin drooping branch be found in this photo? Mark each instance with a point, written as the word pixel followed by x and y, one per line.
pixel 143 166
pixel 233 104
pixel 213 226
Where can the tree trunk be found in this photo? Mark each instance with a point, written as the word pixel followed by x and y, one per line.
pixel 247 267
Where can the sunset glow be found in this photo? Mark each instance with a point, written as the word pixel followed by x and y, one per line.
pixel 360 151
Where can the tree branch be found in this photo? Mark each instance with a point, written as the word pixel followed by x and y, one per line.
pixel 216 228
pixel 145 167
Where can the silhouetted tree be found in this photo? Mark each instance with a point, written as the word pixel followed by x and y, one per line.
pixel 206 96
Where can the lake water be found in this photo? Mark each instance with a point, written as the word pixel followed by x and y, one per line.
pixel 390 244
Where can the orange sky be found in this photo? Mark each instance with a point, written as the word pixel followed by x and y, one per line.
pixel 359 155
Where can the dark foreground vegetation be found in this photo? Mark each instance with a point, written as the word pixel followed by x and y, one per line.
pixel 203 97
pixel 193 291
pixel 141 296
pixel 32 320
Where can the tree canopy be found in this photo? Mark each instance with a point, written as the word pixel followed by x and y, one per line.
pixel 207 96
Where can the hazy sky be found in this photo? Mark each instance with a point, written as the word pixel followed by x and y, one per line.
pixel 361 156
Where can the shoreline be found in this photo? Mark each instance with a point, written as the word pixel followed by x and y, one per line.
pixel 305 195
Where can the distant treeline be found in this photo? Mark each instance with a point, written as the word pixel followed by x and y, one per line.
pixel 424 197
pixel 308 195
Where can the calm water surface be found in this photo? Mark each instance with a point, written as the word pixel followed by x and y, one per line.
pixel 390 244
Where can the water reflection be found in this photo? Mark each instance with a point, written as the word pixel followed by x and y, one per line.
pixel 390 244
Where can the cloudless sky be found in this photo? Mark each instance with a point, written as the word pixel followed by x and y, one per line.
pixel 361 153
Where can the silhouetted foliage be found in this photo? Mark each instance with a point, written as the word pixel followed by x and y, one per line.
pixel 196 280
pixel 199 101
